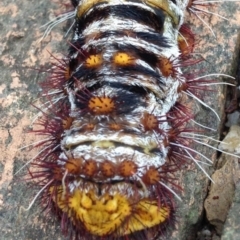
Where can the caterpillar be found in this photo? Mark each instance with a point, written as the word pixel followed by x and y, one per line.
pixel 131 173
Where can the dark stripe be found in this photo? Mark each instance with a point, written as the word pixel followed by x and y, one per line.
pixel 174 1
pixel 153 20
pixel 85 74
pixel 154 38
pixel 128 101
pixel 140 90
pixel 75 3
pixel 134 71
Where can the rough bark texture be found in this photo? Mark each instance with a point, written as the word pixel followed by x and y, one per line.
pixel 21 57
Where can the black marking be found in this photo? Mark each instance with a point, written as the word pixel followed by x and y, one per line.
pixel 152 20
pixel 134 71
pixel 75 2
pixel 154 38
pixel 174 1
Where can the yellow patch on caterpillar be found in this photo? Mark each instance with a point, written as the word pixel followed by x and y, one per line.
pixel 123 59
pixel 103 144
pixel 101 105
pixel 165 6
pixel 109 214
pixel 85 6
pixel 147 214
pixel 94 60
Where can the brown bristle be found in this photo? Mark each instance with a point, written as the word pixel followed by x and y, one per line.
pixel 182 87
pixel 190 2
pixel 101 105
pixel 127 168
pixel 57 173
pixel 53 127
pixel 165 142
pixel 186 40
pixel 60 73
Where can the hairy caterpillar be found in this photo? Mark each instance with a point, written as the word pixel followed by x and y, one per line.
pixel 131 109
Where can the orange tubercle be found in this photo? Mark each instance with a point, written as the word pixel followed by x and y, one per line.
pixel 94 60
pixel 90 168
pixel 101 105
pixel 151 176
pixel 127 168
pixel 149 121
pixel 74 165
pixel 123 59
pixel 107 169
pixel 166 66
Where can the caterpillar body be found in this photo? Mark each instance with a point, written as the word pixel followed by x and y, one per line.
pixel 118 129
